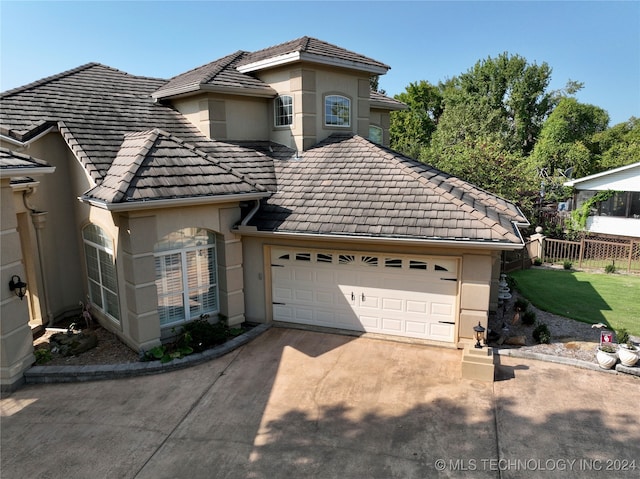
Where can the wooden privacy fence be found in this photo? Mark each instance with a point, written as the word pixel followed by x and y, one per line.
pixel 591 253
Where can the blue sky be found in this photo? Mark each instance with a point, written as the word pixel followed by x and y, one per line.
pixel 597 43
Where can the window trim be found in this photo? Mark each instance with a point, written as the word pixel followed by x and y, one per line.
pixel 276 108
pixel 324 114
pixel 109 250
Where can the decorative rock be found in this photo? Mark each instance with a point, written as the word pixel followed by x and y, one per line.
pixel 74 344
pixel 516 341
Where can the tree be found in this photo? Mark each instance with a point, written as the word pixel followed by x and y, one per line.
pixel 411 129
pixel 503 99
pixel 566 139
pixel 618 145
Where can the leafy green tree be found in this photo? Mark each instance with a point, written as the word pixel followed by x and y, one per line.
pixel 618 145
pixel 410 130
pixel 565 142
pixel 503 99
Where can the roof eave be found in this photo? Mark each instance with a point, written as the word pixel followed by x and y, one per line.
pixel 388 106
pixel 171 202
pixel 459 243
pixel 193 89
pixel 601 174
pixel 293 57
pixel 26 171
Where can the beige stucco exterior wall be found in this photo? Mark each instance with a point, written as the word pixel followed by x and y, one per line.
pixel 138 234
pixel 226 117
pixel 16 342
pixel 474 285
pixel 62 253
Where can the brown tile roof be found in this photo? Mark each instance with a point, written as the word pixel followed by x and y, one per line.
pixel 313 48
pixel 218 75
pixel 153 165
pixel 347 185
pixel 94 106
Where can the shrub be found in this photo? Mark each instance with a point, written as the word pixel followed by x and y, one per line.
pixel 623 336
pixel 521 304
pixel 610 268
pixel 528 318
pixel 537 262
pixel 201 334
pixel 43 355
pixel 567 265
pixel 541 334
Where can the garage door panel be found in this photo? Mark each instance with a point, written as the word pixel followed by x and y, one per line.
pixel 359 292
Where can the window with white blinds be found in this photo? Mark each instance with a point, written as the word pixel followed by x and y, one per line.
pixel 101 271
pixel 186 278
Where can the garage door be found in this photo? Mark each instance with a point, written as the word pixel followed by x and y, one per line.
pixel 411 296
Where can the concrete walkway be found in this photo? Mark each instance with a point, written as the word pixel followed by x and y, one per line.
pixel 299 404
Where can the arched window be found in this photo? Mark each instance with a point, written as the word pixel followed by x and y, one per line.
pixel 337 111
pixel 186 278
pixel 284 110
pixel 101 271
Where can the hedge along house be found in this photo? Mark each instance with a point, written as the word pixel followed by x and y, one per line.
pixel 258 187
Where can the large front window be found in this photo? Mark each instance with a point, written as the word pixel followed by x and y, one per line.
pixel 101 271
pixel 186 278
pixel 337 111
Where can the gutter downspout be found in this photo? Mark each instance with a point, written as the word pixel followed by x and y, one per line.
pixel 39 219
pixel 251 214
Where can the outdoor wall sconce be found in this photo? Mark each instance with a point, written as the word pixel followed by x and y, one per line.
pixel 479 334
pixel 18 286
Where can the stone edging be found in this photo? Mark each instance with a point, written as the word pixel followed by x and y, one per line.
pixel 69 374
pixel 515 353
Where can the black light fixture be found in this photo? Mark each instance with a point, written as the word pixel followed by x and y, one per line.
pixel 18 286
pixel 479 334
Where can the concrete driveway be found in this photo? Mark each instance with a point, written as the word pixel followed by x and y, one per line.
pixel 300 404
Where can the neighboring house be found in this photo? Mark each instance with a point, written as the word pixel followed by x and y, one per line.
pixel 258 187
pixel 620 214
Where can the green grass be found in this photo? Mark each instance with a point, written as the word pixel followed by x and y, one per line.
pixel 612 299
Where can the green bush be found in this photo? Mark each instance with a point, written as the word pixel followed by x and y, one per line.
pixel 529 318
pixel 201 334
pixel 623 336
pixel 537 262
pixel 567 265
pixel 43 355
pixel 541 334
pixel 610 268
pixel 521 304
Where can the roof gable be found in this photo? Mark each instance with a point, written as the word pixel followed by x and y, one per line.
pixel 153 165
pixel 624 178
pixel 220 75
pixel 311 50
pixel 350 186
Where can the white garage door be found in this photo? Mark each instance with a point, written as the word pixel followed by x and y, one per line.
pixel 412 296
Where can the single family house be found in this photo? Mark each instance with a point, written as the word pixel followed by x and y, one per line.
pixel 259 187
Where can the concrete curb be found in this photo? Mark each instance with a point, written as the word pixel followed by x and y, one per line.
pixel 515 353
pixel 71 374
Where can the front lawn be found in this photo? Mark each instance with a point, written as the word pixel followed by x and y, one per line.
pixel 612 299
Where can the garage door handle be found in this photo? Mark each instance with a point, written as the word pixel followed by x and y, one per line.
pixel 447 322
pixel 448 279
pixel 353 296
pixel 363 298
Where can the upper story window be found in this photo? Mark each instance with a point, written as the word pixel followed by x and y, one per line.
pixel 101 271
pixel 375 134
pixel 284 110
pixel 337 111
